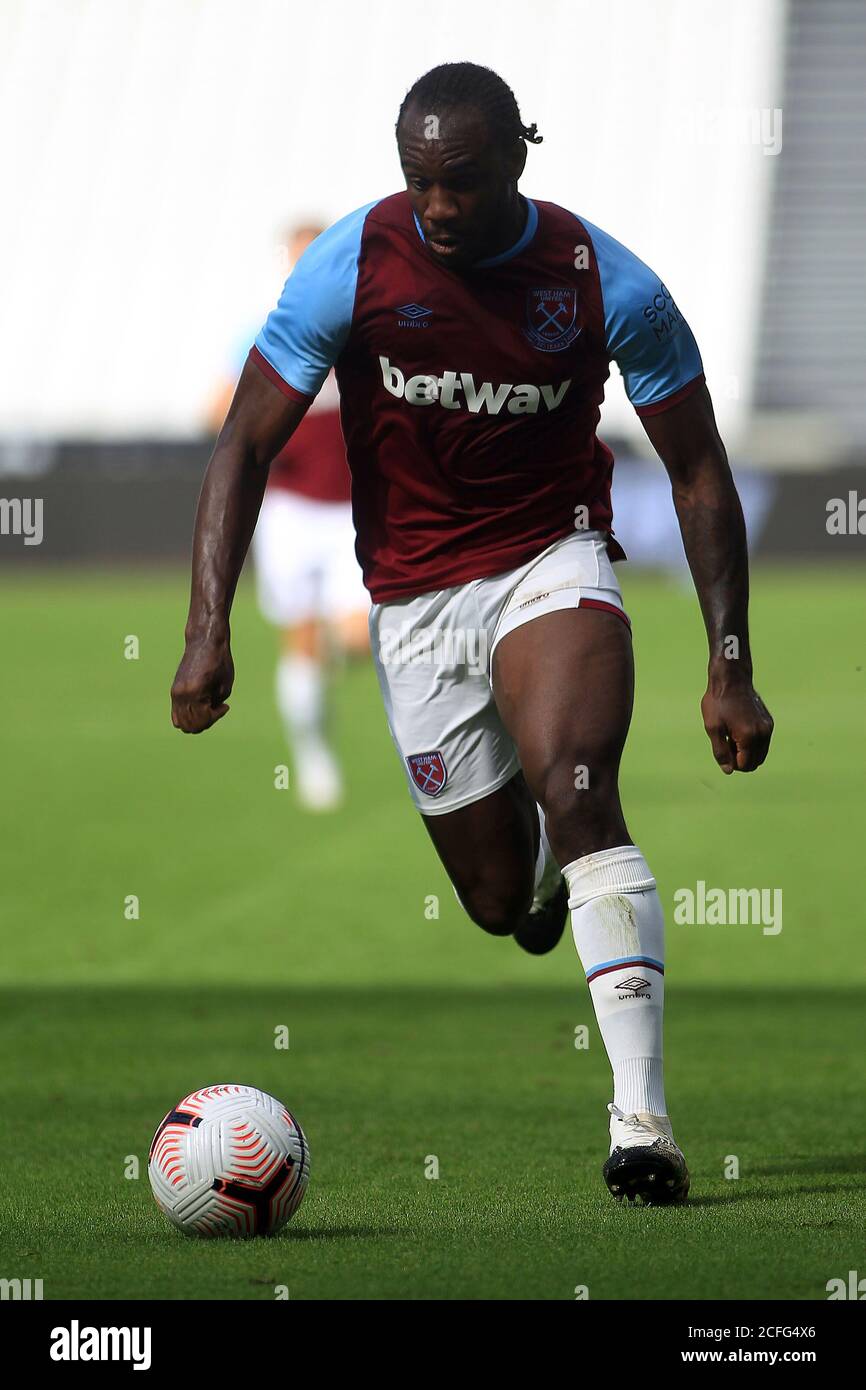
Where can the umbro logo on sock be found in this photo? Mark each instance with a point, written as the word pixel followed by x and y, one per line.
pixel 635 985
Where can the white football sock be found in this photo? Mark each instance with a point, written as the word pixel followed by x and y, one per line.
pixel 300 697
pixel 301 701
pixel 618 927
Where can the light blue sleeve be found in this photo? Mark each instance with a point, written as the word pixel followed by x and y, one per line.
pixel 646 334
pixel 304 335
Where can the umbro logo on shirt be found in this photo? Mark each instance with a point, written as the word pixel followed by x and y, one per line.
pixel 413 316
pixel 444 390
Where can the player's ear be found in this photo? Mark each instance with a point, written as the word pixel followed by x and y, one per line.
pixel 515 160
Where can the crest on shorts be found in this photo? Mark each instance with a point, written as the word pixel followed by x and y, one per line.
pixel 551 318
pixel 428 772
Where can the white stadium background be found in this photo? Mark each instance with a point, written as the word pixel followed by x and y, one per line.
pixel 152 151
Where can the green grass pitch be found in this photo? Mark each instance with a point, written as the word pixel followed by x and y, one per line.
pixel 413 1035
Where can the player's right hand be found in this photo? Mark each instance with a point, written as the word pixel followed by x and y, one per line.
pixel 202 685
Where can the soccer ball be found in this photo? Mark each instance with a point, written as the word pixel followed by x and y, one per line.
pixel 229 1161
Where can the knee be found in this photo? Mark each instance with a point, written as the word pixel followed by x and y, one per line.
pixel 580 799
pixel 574 784
pixel 495 909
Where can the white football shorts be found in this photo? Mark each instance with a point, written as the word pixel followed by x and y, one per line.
pixel 434 659
pixel 304 553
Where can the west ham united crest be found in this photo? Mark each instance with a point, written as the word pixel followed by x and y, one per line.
pixel 551 319
pixel 428 772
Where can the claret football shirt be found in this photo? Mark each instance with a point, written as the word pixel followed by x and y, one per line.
pixel 313 463
pixel 470 401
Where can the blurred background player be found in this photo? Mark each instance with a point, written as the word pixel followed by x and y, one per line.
pixel 308 581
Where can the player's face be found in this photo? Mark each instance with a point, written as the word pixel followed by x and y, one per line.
pixel 462 185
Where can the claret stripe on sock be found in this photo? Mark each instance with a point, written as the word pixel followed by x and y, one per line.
pixel 608 965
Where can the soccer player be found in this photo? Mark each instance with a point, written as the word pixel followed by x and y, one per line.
pixel 308 581
pixel 472 329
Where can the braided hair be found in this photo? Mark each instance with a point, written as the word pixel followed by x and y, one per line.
pixel 469 84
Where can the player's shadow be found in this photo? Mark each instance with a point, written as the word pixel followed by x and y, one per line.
pixel 811 1163
pixel 770 1194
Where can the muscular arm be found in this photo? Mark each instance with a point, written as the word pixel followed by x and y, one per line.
pixel 258 424
pixel 714 535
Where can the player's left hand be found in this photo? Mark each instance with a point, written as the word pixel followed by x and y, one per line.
pixel 738 723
